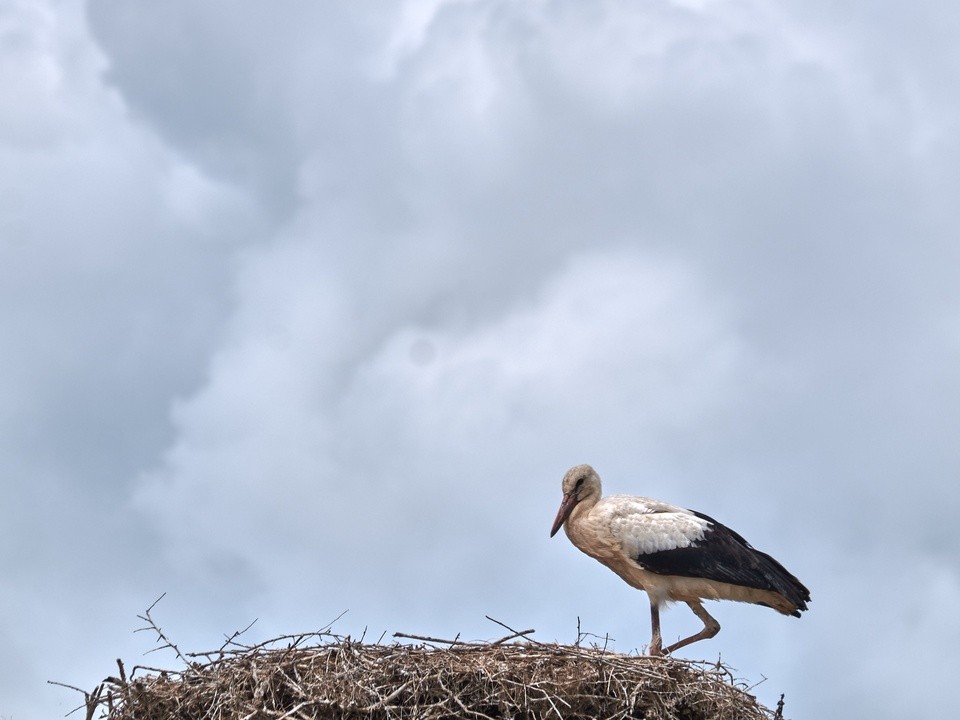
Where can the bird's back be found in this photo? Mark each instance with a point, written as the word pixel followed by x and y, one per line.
pixel 643 525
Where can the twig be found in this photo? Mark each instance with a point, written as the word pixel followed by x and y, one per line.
pixel 763 679
pixel 425 638
pixel 332 622
pixel 69 687
pixel 516 633
pixel 152 626
pixel 242 649
pixel 522 633
pixel 236 633
pixel 90 699
pixel 383 702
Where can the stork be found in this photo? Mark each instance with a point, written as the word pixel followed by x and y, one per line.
pixel 673 554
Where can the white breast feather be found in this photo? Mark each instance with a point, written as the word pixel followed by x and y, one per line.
pixel 647 526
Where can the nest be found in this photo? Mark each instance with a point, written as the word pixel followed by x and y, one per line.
pixel 321 675
pixel 344 679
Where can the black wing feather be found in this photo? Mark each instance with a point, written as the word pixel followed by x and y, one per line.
pixel 723 555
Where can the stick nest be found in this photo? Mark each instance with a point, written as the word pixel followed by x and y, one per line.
pixel 321 675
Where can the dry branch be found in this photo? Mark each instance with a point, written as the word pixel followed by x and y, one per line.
pixel 322 675
pixel 344 679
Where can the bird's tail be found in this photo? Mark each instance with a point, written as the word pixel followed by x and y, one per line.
pixel 784 583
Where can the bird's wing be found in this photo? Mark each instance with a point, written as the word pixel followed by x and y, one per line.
pixel 674 541
pixel 647 527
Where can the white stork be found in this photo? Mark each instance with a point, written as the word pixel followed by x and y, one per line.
pixel 673 554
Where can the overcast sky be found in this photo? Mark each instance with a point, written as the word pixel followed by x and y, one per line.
pixel 307 307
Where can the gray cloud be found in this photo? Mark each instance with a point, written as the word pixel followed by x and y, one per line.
pixel 308 309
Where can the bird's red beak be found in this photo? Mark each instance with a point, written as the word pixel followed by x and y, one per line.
pixel 566 507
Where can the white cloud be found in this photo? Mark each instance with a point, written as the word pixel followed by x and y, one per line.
pixel 108 292
pixel 432 416
pixel 332 296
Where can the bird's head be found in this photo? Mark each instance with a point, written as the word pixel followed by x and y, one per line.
pixel 580 482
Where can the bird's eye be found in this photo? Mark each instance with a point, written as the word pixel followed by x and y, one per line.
pixel 578 485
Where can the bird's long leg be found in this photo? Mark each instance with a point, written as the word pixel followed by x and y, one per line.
pixel 656 641
pixel 710 627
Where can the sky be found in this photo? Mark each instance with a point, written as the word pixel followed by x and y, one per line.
pixel 306 308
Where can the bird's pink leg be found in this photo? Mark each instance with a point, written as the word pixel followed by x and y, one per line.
pixel 710 627
pixel 656 642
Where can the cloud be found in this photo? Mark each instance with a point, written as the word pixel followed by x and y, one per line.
pixel 111 284
pixel 307 309
pixel 424 439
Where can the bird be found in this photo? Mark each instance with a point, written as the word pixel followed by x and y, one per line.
pixel 674 554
